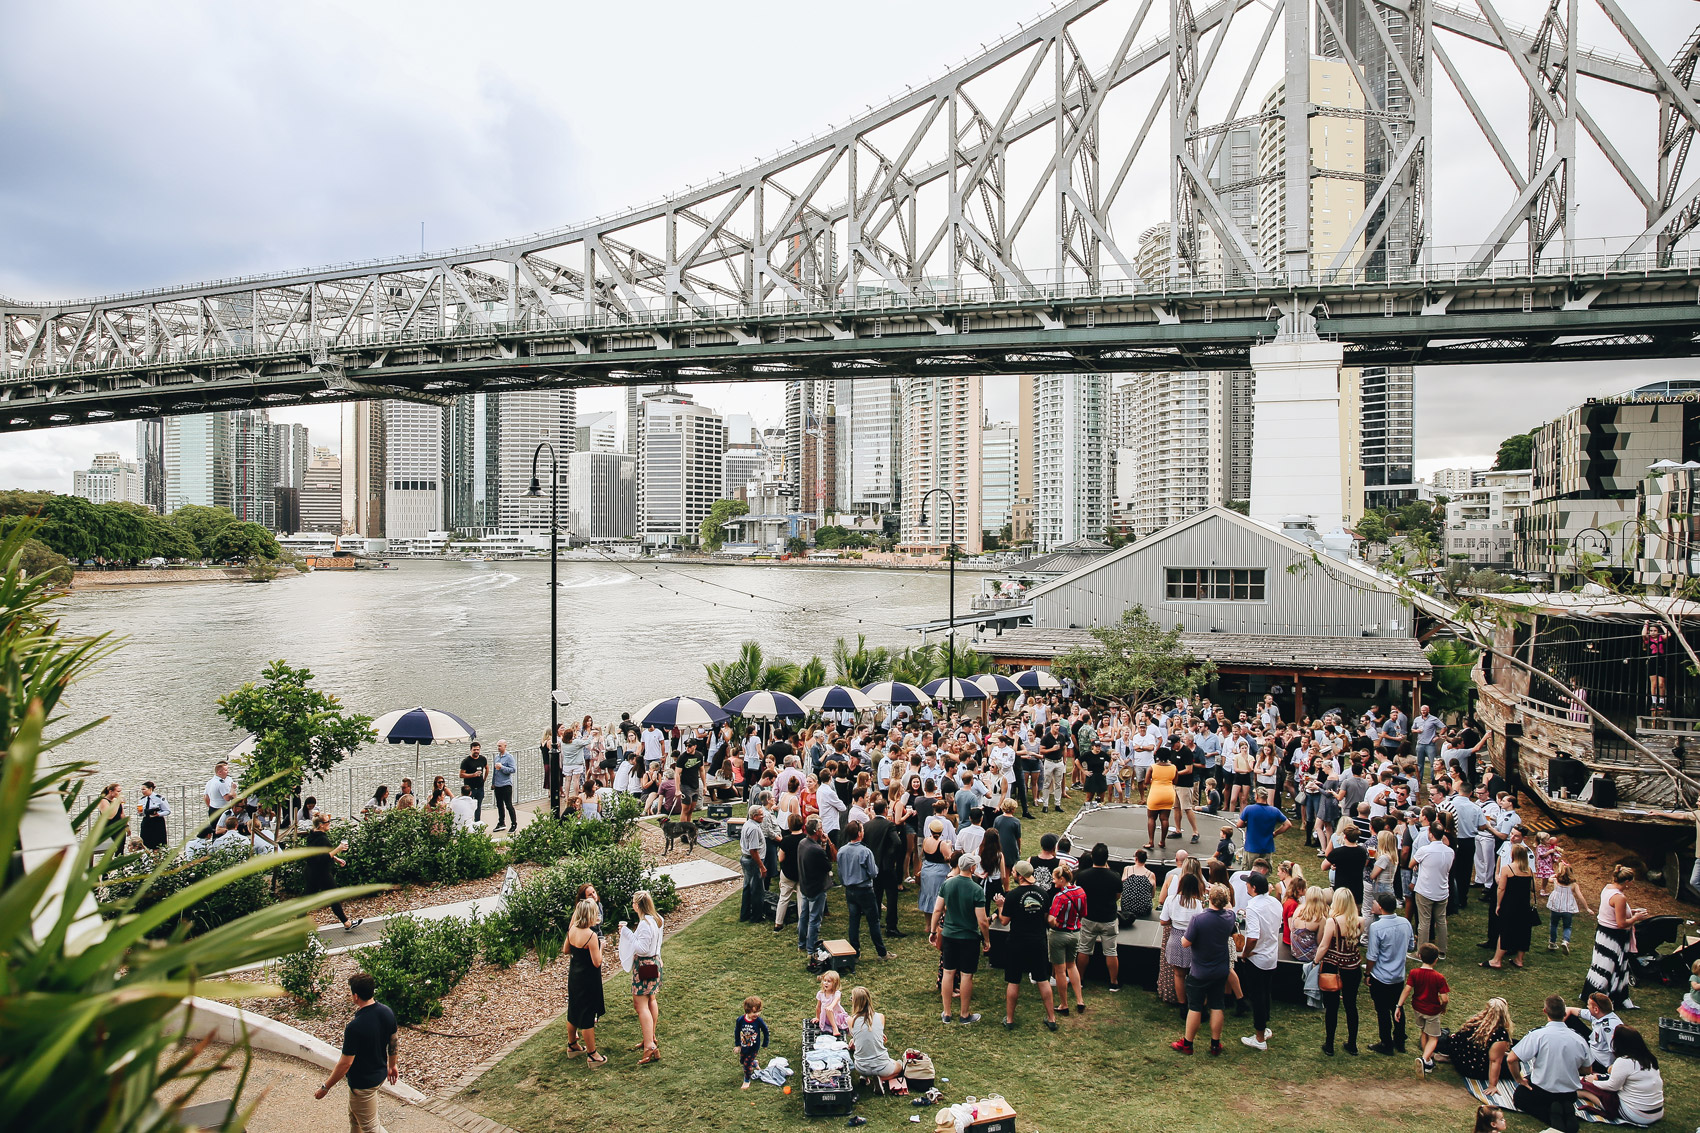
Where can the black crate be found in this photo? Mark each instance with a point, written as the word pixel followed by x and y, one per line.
pixel 994 1125
pixel 828 1103
pixel 1679 1035
pixel 720 811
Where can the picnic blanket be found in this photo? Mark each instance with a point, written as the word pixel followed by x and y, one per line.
pixel 1501 1096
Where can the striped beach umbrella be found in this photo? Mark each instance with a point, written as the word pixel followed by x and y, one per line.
pixel 837 698
pixel 1036 679
pixel 765 705
pixel 681 712
pixel 954 690
pixel 896 692
pixel 423 726
pixel 996 684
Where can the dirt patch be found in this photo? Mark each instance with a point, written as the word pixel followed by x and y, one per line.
pixel 1316 1102
pixel 493 1007
pixel 1593 859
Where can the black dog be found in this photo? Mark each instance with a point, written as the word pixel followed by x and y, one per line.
pixel 679 831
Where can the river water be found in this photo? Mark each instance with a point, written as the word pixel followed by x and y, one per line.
pixel 471 638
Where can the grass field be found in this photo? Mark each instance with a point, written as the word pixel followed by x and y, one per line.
pixel 1109 1070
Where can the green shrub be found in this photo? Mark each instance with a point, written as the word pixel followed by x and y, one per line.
pixel 238 898
pixel 547 840
pixel 541 910
pixel 418 962
pixel 409 847
pixel 305 975
pixel 501 944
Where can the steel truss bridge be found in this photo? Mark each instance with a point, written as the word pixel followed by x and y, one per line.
pixel 894 244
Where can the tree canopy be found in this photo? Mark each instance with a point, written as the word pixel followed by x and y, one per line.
pixel 1136 661
pixel 245 541
pixel 301 731
pixel 833 538
pixel 115 532
pixel 711 534
pixel 1515 452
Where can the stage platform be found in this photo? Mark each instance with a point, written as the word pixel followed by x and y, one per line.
pixel 1122 829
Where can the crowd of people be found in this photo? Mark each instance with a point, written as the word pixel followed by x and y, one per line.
pixel 1405 819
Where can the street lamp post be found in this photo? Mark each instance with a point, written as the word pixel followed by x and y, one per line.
pixel 535 491
pixel 950 556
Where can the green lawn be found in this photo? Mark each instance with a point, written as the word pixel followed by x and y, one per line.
pixel 1111 1069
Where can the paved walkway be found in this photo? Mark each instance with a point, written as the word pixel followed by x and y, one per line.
pixel 284 1088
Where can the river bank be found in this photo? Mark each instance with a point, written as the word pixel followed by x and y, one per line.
pixel 109 579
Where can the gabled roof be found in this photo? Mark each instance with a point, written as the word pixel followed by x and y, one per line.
pixel 1380 656
pixel 1362 574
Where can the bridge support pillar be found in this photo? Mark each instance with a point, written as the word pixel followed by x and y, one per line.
pixel 1299 455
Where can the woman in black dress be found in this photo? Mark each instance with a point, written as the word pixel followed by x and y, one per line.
pixel 1478 1048
pixel 1515 913
pixel 584 981
pixel 318 867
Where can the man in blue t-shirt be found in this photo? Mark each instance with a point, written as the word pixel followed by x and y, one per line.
pixel 1261 822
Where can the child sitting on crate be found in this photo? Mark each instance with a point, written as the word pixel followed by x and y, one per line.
pixel 749 1035
pixel 830 1001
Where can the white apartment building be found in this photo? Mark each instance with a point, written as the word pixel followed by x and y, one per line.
pixel 413 469
pixel 514 425
pixel 597 432
pixel 604 496
pixel 997 475
pixel 199 458
pixel 1481 521
pixel 680 468
pixel 941 450
pixel 109 479
pixel 362 469
pixel 1071 452
pixel 869 450
pixel 321 494
pixel 1448 481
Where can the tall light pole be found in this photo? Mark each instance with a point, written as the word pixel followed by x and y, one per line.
pixel 535 491
pixel 950 556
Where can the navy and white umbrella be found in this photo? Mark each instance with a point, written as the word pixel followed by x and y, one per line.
pixel 248 744
pixel 423 726
pixel 837 698
pixel 954 690
pixel 996 684
pixel 765 705
pixel 1036 679
pixel 682 712
pixel 896 692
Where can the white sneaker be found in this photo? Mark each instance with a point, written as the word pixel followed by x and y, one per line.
pixel 1628 1006
pixel 1253 1043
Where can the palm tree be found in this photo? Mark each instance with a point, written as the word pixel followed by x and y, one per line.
pixel 972 663
pixel 863 666
pixel 811 674
pixel 918 664
pixel 749 672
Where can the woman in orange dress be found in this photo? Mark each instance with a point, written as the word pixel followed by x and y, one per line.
pixel 1159 799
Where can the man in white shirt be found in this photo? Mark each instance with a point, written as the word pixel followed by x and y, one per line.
pixel 1378 795
pixel 832 809
pixel 1258 955
pixel 1240 882
pixel 970 837
pixel 654 744
pixel 1431 866
pixel 789 779
pixel 219 788
pixel 465 810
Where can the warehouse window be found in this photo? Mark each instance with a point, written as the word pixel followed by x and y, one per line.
pixel 1215 584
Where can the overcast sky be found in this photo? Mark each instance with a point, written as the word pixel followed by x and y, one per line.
pixel 168 142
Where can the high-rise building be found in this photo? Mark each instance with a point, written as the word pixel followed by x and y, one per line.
pixel 108 479
pixel 363 468
pixel 597 432
pixel 681 467
pixel 1174 444
pixel 634 412
pixel 514 425
pixel 1377 405
pixel 869 415
pixel 941 450
pixel 464 486
pixel 1072 459
pixel 150 458
pixel 199 457
pixel 289 443
pixel 1027 435
pixel 321 494
pixel 604 495
pixel 998 449
pixel 811 444
pixel 413 469
pixel 254 493
pixel 742 463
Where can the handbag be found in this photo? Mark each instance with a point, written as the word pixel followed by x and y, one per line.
pixel 1329 981
pixel 648 969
